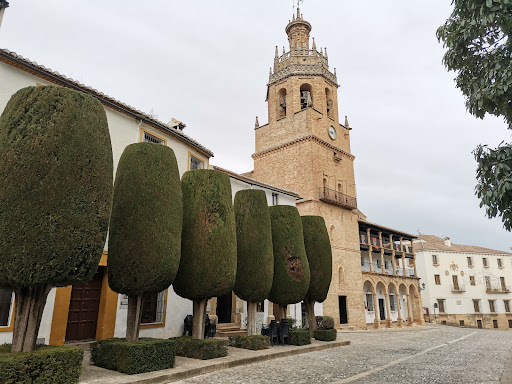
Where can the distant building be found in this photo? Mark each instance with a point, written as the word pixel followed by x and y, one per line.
pixel 465 285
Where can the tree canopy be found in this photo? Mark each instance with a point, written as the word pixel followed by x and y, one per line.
pixel 479 50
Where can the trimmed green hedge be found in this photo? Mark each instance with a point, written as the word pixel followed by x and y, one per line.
pixel 254 342
pixel 318 249
pixel 299 336
pixel 45 365
pixel 291 268
pixel 255 260
pixel 144 355
pixel 205 349
pixel 325 334
pixel 324 322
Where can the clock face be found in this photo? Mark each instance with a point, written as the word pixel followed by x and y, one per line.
pixel 332 132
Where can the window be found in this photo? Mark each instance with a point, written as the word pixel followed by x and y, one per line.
pixel 503 285
pixel 470 261
pixel 495 323
pixel 476 306
pixel 434 260
pixel 510 323
pixel 275 199
pixel 153 308
pixel 195 163
pixel 472 280
pixel 282 104
pixel 461 323
pixel 369 302
pixel 149 138
pixel 500 263
pixel 306 100
pixel 484 261
pixel 488 282
pixel 440 303
pixel 507 305
pixel 492 307
pixel 329 103
pixel 455 282
pixel 392 302
pixel 437 279
pixel 6 297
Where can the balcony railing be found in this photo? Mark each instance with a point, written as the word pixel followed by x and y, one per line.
pixel 365 267
pixel 399 271
pixel 409 272
pixel 376 268
pixel 337 198
pixel 498 289
pixel 458 288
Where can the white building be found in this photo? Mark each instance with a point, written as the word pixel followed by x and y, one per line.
pixel 464 285
pixel 65 318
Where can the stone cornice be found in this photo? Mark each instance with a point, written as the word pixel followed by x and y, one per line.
pixel 300 140
pixel 303 70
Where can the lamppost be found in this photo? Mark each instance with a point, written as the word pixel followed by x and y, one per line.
pixel 3 4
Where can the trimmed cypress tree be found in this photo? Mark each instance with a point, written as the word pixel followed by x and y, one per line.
pixel 55 200
pixel 208 243
pixel 319 252
pixel 255 259
pixel 291 268
pixel 145 233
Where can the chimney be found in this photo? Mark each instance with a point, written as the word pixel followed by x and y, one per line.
pixel 447 242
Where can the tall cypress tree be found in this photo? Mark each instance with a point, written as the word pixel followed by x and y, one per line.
pixel 208 243
pixel 145 233
pixel 255 260
pixel 56 175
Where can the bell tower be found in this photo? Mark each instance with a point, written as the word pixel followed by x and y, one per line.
pixel 305 149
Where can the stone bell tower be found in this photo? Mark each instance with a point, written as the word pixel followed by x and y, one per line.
pixel 305 149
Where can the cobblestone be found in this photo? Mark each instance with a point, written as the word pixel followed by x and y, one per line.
pixel 437 355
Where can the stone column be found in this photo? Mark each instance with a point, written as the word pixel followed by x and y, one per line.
pixel 388 310
pixel 213 309
pixel 399 308
pixel 409 311
pixel 270 311
pixel 377 319
pixel 393 254
pixel 370 249
pixel 403 259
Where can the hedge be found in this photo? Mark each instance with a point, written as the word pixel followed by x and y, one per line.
pixel 254 342
pixel 144 355
pixel 45 365
pixel 147 201
pixel 299 336
pixel 325 334
pixel 291 268
pixel 208 243
pixel 56 169
pixel 318 249
pixel 255 260
pixel 324 322
pixel 201 349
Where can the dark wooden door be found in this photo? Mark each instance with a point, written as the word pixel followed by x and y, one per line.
pixel 83 309
pixel 224 304
pixel 382 312
pixel 342 302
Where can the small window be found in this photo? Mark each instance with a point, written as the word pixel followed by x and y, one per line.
pixel 440 303
pixel 487 282
pixel 492 307
pixel 470 261
pixel 484 261
pixel 437 279
pixel 510 323
pixel 461 323
pixel 306 98
pixel 153 308
pixel 476 306
pixel 495 323
pixel 275 199
pixel 392 302
pixel 195 163
pixel 6 299
pixel 434 260
pixel 443 322
pixel 369 302
pixel 503 285
pixel 281 109
pixel 500 263
pixel 472 280
pixel 507 305
pixel 149 138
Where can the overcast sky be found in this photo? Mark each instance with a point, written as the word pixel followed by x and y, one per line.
pixel 206 63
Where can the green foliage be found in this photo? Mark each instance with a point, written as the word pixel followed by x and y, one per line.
pixel 208 243
pixel 255 260
pixel 45 365
pixel 477 36
pixel 205 349
pixel 55 200
pixel 325 334
pixel 254 342
pixel 144 355
pixel 299 336
pixel 318 250
pixel 324 322
pixel 145 233
pixel 291 268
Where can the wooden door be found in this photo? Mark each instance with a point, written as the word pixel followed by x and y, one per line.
pixel 83 309
pixel 382 311
pixel 342 304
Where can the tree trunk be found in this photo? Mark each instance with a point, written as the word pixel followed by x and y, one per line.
pixel 282 311
pixel 133 317
pixel 29 306
pixel 310 311
pixel 251 318
pixel 198 318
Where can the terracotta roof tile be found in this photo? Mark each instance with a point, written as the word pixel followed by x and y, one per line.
pixel 434 243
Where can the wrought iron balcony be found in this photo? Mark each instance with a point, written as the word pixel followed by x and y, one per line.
pixel 337 198
pixel 498 289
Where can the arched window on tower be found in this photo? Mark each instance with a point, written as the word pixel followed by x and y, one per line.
pixel 281 107
pixel 306 96
pixel 329 103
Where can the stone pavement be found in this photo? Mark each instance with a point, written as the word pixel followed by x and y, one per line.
pixel 430 354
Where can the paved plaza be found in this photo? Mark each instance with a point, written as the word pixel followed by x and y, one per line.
pixel 430 354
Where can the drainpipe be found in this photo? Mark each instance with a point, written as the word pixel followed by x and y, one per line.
pixel 3 4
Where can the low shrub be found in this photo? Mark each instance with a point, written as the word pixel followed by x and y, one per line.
pixel 145 355
pixel 201 349
pixel 299 336
pixel 324 322
pixel 254 342
pixel 45 365
pixel 325 334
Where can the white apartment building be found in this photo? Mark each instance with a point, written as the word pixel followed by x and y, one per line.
pixel 464 285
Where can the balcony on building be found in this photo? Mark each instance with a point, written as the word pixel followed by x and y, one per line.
pixel 458 288
pixel 497 288
pixel 334 197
